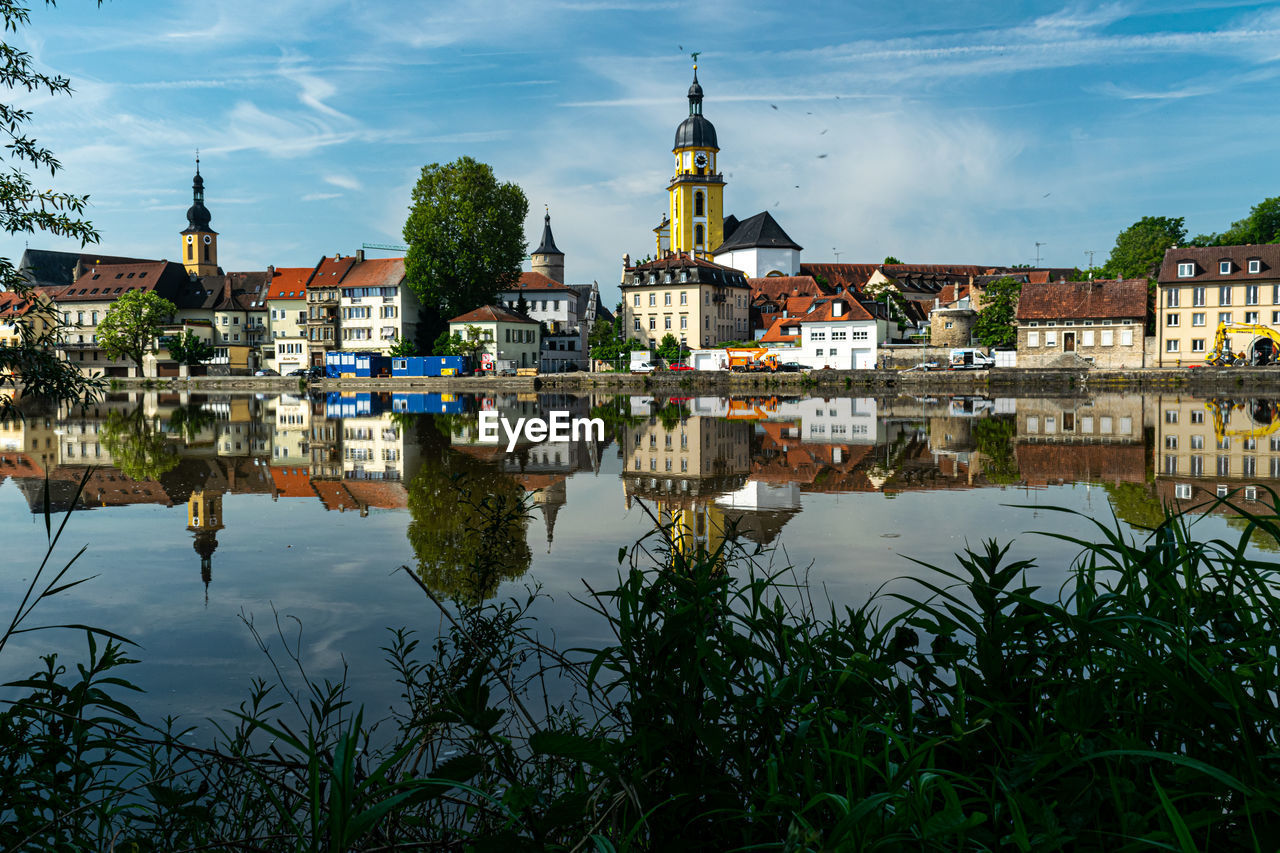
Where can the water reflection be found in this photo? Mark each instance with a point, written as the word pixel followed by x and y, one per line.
pixel 700 464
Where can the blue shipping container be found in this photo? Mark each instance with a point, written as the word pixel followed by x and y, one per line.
pixel 431 365
pixel 427 404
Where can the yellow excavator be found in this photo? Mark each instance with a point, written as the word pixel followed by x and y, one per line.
pixel 1263 417
pixel 1222 354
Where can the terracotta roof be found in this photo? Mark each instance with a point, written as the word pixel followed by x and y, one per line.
pixel 538 281
pixel 783 330
pixel 492 314
pixel 780 286
pixel 381 494
pixel 292 482
pixel 823 308
pixel 761 231
pixel 376 272
pixel 1208 258
pixel 1084 300
pixel 334 495
pixel 12 305
pixel 290 283
pixel 857 275
pixel 330 271
pixel 682 261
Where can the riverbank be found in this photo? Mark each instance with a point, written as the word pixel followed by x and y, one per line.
pixel 998 382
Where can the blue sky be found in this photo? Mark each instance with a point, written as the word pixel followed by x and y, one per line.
pixel 952 131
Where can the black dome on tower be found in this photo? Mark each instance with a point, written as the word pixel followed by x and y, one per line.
pixel 696 131
pixel 198 215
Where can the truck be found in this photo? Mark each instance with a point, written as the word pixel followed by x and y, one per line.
pixel 752 359
pixel 970 358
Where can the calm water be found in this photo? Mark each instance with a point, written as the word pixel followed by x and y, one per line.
pixel 203 512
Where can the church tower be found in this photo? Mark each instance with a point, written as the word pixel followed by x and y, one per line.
pixel 547 259
pixel 199 241
pixel 696 211
pixel 204 519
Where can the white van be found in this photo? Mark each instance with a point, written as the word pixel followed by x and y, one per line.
pixel 969 358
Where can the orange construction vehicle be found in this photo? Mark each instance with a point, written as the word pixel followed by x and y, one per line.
pixel 752 359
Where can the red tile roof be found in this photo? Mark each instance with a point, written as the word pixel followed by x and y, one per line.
pixel 538 281
pixel 1042 464
pixel 1084 300
pixel 292 482
pixel 783 330
pixel 376 272
pixel 106 282
pixel 330 271
pixel 290 283
pixel 12 306
pixel 380 494
pixel 492 314
pixel 780 286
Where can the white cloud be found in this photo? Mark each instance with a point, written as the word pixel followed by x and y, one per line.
pixel 346 182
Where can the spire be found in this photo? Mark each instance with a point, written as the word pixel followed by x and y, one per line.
pixel 695 94
pixel 548 244
pixel 198 215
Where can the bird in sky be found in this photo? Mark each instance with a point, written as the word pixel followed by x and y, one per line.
pixel 824 131
pixel 822 156
pixel 775 106
pixel 1046 195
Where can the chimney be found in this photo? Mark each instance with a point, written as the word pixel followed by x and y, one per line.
pixel 359 256
pixel 626 260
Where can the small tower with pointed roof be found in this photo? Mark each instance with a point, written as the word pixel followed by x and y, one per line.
pixel 204 519
pixel 547 259
pixel 199 241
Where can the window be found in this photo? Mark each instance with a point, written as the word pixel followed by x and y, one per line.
pixel 653 323
pixel 698 232
pixel 1086 338
pixel 1197 319
pixel 653 300
pixel 698 205
pixel 1251 316
pixel 635 300
pixel 1197 297
pixel 1171 320
pixel 684 298
pixel 1251 294
pixel 666 298
pixel 684 322
pixel 666 322
pixel 1255 266
pixel 1170 442
pixel 1224 295
pixel 1197 442
pixel 1108 337
pixel 1224 316
pixel 1197 417
pixel 1171 346
pixel 1224 267
pixel 1171 416
pixel 1182 491
pixel 1051 339
pixel 1171 297
pixel 1186 270
pixel 1033 424
pixel 1197 344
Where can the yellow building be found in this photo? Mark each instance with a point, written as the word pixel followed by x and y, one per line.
pixel 696 209
pixel 204 519
pixel 699 302
pixel 1203 288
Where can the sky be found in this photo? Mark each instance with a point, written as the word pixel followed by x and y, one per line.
pixel 936 132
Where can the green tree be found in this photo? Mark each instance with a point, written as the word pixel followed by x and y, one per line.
pixel 137 446
pixel 25 209
pixel 1262 225
pixel 892 260
pixel 1140 248
pixel 1135 504
pixel 669 348
pixel 466 239
pixel 132 323
pixel 188 348
pixel 608 344
pixel 995 326
pixel 994 439
pixel 404 348
pixel 470 344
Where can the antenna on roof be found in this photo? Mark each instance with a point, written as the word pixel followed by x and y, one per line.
pixel 1038 245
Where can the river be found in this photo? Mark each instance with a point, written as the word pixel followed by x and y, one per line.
pixel 202 513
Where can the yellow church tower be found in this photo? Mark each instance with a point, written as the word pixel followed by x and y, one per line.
pixel 696 211
pixel 204 519
pixel 199 241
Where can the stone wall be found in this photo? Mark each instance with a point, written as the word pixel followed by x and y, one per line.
pixel 952 327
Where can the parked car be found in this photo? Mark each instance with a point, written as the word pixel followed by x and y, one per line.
pixel 266 371
pixel 680 365
pixel 301 371
pixel 317 372
pixel 642 367
pixel 791 367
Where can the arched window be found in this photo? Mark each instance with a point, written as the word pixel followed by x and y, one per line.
pixel 697 235
pixel 697 205
pixel 191 251
pixel 206 251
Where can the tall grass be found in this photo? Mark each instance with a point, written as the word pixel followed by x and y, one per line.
pixel 962 708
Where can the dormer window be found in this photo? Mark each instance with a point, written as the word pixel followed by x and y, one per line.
pixel 1186 270
pixel 1255 266
pixel 1224 267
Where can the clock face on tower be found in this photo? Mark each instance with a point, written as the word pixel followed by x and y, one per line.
pixel 700 160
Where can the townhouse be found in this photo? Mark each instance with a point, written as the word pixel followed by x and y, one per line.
pixel 699 302
pixel 1100 321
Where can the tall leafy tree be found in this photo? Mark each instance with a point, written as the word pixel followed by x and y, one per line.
pixel 137 445
pixel 1262 225
pixel 132 323
pixel 995 326
pixel 1140 248
pixel 669 348
pixel 188 348
pixel 26 209
pixel 466 239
